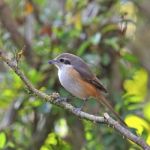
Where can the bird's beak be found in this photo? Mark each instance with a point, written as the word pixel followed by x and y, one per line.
pixel 54 61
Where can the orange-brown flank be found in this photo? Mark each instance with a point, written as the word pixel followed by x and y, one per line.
pixel 85 89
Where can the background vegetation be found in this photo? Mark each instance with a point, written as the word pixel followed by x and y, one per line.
pixel 112 36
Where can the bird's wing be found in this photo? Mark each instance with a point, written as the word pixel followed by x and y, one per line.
pixel 98 84
pixel 87 75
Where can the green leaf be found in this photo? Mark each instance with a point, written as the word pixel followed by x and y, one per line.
pixel 51 139
pixel 130 57
pixel 138 123
pixel 136 88
pixel 83 47
pixel 109 28
pixel 2 139
pixel 113 42
pixel 96 38
pixel 105 59
pixel 34 76
pixel 61 128
pixel 148 139
pixel 88 135
pixel 147 111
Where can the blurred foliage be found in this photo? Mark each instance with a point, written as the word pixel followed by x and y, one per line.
pixel 136 89
pixel 3 140
pixel 97 30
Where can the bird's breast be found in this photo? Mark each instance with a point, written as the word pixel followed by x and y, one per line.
pixel 71 80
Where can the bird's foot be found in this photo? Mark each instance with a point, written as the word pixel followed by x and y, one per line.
pixel 61 99
pixel 78 109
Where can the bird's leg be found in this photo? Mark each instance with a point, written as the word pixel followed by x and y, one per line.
pixel 64 99
pixel 61 99
pixel 70 97
pixel 81 107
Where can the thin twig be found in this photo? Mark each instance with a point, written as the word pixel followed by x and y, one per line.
pixel 54 98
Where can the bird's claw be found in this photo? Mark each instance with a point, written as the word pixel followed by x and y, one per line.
pixel 61 99
pixel 78 109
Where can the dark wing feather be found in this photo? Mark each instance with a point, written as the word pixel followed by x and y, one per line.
pixel 87 75
pixel 98 84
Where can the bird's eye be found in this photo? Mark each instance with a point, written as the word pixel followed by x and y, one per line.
pixel 67 62
pixel 61 60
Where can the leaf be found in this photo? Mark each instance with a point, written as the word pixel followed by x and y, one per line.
pixel 35 76
pixel 96 38
pixel 113 42
pixel 2 140
pixel 51 139
pixel 69 5
pixel 148 139
pixel 130 57
pixel 109 28
pixel 88 135
pixel 61 128
pixel 17 83
pixel 147 111
pixel 136 88
pixel 106 59
pixel 83 47
pixel 138 123
pixel 77 21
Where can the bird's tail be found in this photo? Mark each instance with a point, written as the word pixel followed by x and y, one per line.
pixel 101 99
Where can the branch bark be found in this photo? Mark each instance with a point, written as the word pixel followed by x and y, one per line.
pixel 55 99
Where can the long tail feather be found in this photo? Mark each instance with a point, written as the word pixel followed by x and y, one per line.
pixel 101 99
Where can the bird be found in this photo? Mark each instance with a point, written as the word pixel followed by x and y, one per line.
pixel 77 78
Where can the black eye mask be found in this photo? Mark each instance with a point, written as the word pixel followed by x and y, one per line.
pixel 67 62
pixel 61 60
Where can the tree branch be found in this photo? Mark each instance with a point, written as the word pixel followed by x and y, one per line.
pixel 55 99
